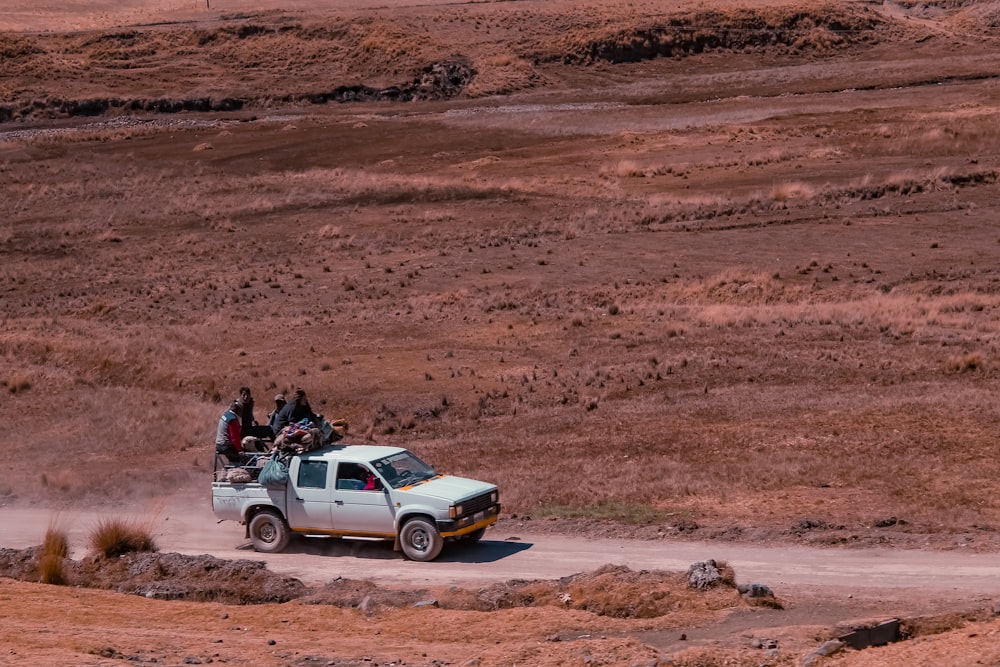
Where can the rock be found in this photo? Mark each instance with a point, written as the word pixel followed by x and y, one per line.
pixel 826 649
pixel 830 647
pixel 755 590
pixel 426 603
pixel 703 574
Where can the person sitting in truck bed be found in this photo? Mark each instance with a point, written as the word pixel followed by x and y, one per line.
pixel 272 417
pixel 294 411
pixel 248 424
pixel 227 436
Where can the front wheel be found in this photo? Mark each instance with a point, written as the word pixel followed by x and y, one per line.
pixel 269 532
pixel 420 540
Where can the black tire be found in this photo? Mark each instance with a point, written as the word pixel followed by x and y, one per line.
pixel 269 532
pixel 420 540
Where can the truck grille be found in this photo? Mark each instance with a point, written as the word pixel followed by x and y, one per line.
pixel 476 503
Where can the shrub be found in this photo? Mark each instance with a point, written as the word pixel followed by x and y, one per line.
pixel 55 549
pixel 56 543
pixel 51 570
pixel 18 384
pixel 112 538
pixel 966 362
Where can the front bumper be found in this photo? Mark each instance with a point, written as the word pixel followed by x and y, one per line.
pixel 469 523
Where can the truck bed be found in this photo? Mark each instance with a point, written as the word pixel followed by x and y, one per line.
pixel 229 500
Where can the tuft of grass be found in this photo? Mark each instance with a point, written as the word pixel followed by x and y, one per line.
pixel 966 363
pixel 56 542
pixel 51 570
pixel 18 383
pixel 51 560
pixel 727 573
pixel 766 602
pixel 624 169
pixel 114 537
pixel 58 480
pixel 783 192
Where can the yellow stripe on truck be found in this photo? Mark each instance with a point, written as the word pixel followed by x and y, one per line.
pixel 489 521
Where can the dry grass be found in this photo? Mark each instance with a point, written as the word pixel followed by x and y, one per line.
pixel 19 382
pixel 114 537
pixel 51 558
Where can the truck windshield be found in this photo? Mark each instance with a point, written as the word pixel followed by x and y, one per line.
pixel 402 469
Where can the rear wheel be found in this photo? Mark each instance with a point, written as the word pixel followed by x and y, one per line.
pixel 269 532
pixel 420 540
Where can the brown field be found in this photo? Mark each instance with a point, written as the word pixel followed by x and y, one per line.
pixel 717 270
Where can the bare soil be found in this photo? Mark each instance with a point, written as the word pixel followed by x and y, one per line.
pixel 717 271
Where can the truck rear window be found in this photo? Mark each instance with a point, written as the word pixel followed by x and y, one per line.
pixel 312 474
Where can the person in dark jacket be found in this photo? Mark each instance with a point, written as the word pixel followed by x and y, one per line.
pixel 294 411
pixel 248 424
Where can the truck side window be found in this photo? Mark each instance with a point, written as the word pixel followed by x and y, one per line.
pixel 351 477
pixel 312 474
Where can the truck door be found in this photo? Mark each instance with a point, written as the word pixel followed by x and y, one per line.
pixel 360 511
pixel 309 501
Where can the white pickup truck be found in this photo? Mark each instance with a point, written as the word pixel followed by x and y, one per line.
pixel 361 491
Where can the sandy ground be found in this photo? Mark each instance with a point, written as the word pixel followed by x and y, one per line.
pixel 514 550
pixel 824 592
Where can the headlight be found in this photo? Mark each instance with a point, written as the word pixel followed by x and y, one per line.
pixel 495 496
pixel 455 511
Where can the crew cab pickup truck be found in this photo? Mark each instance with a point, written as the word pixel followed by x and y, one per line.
pixel 361 491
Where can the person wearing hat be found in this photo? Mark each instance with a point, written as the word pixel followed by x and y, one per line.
pixel 227 436
pixel 279 402
pixel 294 411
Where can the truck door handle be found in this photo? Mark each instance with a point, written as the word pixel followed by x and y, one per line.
pixel 338 502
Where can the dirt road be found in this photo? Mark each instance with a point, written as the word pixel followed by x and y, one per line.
pixel 509 552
